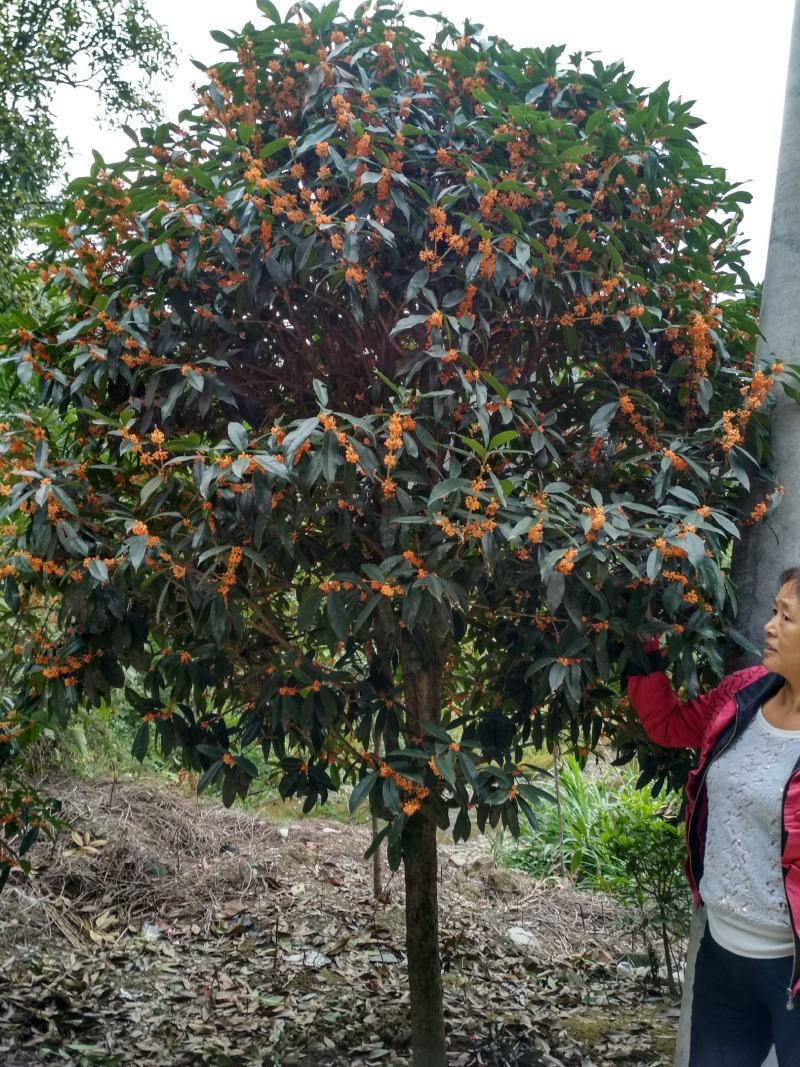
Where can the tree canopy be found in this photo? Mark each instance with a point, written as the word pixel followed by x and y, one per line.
pixel 389 393
pixel 112 48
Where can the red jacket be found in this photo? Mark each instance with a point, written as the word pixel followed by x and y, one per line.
pixel 710 723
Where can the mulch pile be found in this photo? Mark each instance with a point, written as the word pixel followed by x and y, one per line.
pixel 168 930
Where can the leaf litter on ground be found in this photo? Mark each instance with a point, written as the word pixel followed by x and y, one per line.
pixel 168 930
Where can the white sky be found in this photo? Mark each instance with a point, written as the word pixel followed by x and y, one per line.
pixel 729 56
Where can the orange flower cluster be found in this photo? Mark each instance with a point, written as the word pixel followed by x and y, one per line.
pixel 598 516
pixel 161 716
pixel 628 409
pixel 9 729
pixel 756 393
pixel 676 461
pixel 675 576
pixel 667 550
pixel 350 455
pixel 488 258
pixel 465 307
pixel 701 345
pixel 335 585
pixel 732 434
pixel 447 527
pixel 385 589
pixel 67 670
pixel 228 580
pixel 536 533
pixel 474 530
pixel 442 232
pixel 567 562
pixel 761 509
pixel 412 793
pixel 596 447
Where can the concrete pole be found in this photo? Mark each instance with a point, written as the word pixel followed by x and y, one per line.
pixel 767 548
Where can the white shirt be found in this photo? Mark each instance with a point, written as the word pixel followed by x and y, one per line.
pixel 742 883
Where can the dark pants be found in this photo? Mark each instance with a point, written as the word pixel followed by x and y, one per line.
pixel 739 1010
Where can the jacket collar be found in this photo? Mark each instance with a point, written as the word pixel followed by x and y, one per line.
pixel 752 696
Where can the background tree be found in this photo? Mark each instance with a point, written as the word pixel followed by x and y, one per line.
pixel 112 48
pixel 388 394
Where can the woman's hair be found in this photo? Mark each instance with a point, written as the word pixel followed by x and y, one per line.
pixel 792 574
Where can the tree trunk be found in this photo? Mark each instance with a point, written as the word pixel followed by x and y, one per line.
pixel 685 1022
pixel 422 662
pixel 769 547
pixel 422 949
pixel 377 876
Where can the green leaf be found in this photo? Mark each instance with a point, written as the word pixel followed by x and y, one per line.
pixel 71 540
pixel 209 775
pixel 137 548
pixel 11 594
pixel 601 419
pixel 684 494
pixel 447 487
pixel 594 121
pixel 654 562
pixel 433 729
pixel 418 281
pixel 554 590
pixel 502 438
pixel 314 137
pixel 744 642
pixel 269 9
pixel 362 790
pixel 337 613
pixel 366 611
pixel 154 483
pixel 445 763
pixel 163 253
pixel 293 440
pixel 75 331
pixel 238 436
pixel 695 548
pixel 141 742
pixel 98 570
pixel 558 673
pixel 274 146
pixel 407 323
pixel 377 840
pixel 308 609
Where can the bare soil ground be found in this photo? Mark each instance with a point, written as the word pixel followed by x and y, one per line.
pixel 168 930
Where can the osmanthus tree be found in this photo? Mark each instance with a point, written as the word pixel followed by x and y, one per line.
pixel 385 395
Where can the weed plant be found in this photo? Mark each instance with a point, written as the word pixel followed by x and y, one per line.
pixel 617 838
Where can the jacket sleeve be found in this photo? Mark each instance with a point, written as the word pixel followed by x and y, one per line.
pixel 669 721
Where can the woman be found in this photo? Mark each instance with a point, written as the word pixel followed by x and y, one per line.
pixel 743 841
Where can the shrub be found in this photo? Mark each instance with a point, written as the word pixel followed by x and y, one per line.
pixel 615 837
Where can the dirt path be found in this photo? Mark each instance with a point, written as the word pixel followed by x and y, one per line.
pixel 171 931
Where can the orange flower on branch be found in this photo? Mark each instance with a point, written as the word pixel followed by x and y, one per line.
pixel 567 562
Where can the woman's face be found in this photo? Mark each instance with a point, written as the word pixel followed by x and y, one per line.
pixel 782 634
